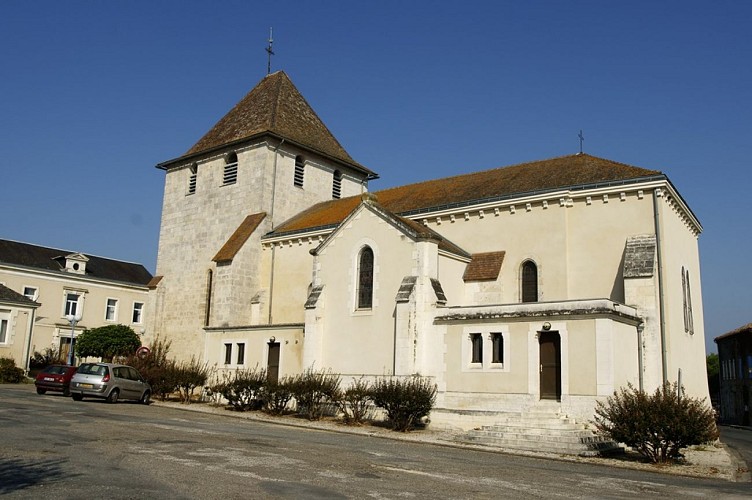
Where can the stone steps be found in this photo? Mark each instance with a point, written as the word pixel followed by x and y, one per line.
pixel 541 430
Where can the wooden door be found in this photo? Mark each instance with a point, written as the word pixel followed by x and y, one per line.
pixel 272 363
pixel 550 365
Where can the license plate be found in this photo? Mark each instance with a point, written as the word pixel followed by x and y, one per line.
pixel 49 379
pixel 86 386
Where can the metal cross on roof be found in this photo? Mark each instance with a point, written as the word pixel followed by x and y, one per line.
pixel 269 53
pixel 582 138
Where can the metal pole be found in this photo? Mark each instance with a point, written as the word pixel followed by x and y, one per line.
pixel 72 320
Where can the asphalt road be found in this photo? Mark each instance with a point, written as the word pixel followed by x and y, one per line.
pixel 53 447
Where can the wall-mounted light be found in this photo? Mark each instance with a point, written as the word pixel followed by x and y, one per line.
pixel 272 339
pixel 546 326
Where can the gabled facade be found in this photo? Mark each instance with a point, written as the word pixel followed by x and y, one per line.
pixel 561 280
pixel 102 291
pixel 16 325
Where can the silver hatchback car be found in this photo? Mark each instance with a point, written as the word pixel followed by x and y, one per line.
pixel 109 381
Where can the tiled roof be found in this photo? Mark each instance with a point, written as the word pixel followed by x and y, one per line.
pixel 742 329
pixel 154 282
pixel 8 295
pixel 239 237
pixel 484 266
pixel 538 176
pixel 275 106
pixel 51 259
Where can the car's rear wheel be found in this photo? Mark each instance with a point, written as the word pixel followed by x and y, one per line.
pixel 40 390
pixel 113 397
pixel 77 397
pixel 146 398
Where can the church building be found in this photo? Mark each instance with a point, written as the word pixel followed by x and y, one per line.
pixel 559 280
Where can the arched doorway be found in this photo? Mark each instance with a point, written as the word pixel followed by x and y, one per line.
pixel 550 365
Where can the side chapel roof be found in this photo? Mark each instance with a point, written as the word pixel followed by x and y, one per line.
pixel 574 171
pixel 276 107
pixel 51 259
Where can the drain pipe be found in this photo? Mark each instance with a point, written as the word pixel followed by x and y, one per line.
pixel 274 191
pixel 661 299
pixel 640 329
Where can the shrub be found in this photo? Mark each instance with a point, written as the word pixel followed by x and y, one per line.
pixel 313 391
pixel 188 376
pixel 354 402
pixel 9 372
pixel 242 388
pixel 107 342
pixel 277 395
pixel 405 401
pixel 156 368
pixel 658 426
pixel 46 358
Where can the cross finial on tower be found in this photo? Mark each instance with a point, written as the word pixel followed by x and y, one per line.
pixel 582 138
pixel 269 53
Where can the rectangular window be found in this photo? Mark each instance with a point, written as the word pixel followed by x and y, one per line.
pixel 138 312
pixel 228 354
pixel 3 331
pixel 110 313
pixel 497 348
pixel 71 304
pixel 476 339
pixel 192 184
pixel 230 174
pixel 241 354
pixel 30 292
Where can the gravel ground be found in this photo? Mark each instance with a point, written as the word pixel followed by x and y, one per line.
pixel 709 461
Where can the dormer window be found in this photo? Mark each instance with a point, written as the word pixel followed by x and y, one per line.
pixel 337 185
pixel 230 175
pixel 299 171
pixel 76 263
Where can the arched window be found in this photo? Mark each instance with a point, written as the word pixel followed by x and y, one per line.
pixel 337 185
pixel 207 306
pixel 686 290
pixel 529 282
pixel 231 170
pixel 299 171
pixel 365 278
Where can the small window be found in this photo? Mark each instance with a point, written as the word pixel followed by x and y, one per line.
pixel 228 354
pixel 241 353
pixel 138 312
pixel 192 179
pixel 3 330
pixel 111 310
pixel 687 291
pixel 476 341
pixel 30 292
pixel 231 170
pixel 71 304
pixel 337 185
pixel 529 282
pixel 207 306
pixel 299 171
pixel 365 278
pixel 497 348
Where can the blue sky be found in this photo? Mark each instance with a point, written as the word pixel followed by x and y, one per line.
pixel 94 94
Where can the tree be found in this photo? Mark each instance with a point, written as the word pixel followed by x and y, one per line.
pixel 107 342
pixel 713 366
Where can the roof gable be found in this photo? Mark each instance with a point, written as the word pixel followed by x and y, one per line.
pixel 49 259
pixel 534 177
pixel 275 106
pixel 410 228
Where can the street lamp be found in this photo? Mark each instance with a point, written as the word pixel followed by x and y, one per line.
pixel 72 319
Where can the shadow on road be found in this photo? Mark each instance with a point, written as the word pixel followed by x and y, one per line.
pixel 19 474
